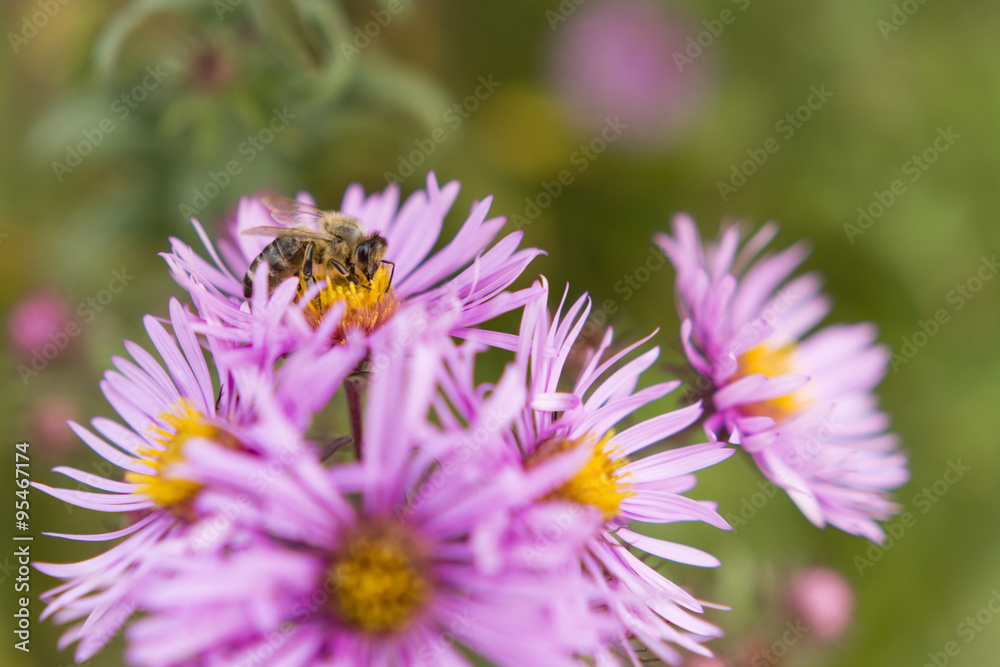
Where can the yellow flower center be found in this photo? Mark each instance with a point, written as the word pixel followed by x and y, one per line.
pixel 771 363
pixel 599 483
pixel 187 423
pixel 380 578
pixel 367 306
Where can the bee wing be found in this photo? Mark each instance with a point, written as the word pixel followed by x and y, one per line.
pixel 291 212
pixel 296 232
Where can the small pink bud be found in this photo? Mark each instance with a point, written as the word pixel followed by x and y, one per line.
pixel 705 662
pixel 824 600
pixel 37 320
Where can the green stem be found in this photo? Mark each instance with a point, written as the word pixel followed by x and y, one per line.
pixel 355 386
pixel 334 446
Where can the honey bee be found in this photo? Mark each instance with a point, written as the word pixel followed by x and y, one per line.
pixel 340 247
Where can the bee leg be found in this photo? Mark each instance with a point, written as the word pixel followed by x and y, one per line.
pixel 307 266
pixel 392 271
pixel 343 271
pixel 334 264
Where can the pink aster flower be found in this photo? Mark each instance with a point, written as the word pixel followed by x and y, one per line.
pixel 619 481
pixel 416 278
pixel 381 562
pixel 800 404
pixel 164 409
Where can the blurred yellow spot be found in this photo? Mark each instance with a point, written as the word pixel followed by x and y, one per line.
pixel 523 133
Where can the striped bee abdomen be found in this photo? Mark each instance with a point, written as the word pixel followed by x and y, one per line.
pixel 284 256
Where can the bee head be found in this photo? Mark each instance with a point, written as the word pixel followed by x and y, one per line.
pixel 369 254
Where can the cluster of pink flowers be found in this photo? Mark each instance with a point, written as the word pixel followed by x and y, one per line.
pixel 323 478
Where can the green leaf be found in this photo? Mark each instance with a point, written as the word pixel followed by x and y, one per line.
pixel 312 47
pixel 421 97
pixel 110 41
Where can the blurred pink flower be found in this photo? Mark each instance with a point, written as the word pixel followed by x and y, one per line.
pixel 36 320
pixel 616 58
pixel 824 600
pixel 798 399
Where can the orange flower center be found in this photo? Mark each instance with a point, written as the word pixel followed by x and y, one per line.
pixel 174 493
pixel 380 578
pixel 772 363
pixel 367 306
pixel 599 483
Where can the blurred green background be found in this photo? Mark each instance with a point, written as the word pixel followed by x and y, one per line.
pixel 118 117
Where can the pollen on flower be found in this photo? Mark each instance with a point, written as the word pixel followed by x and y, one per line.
pixel 380 578
pixel 186 423
pixel 771 363
pixel 367 306
pixel 599 482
